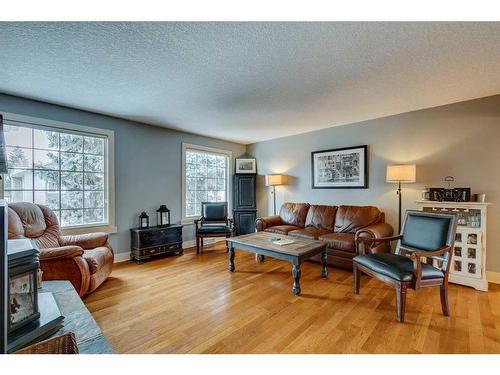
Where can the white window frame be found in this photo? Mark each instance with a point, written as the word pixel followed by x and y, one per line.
pixel 229 183
pixel 110 227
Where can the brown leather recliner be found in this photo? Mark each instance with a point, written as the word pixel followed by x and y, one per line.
pixel 86 260
pixel 336 225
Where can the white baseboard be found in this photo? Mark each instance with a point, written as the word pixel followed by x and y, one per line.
pixel 189 243
pixel 206 241
pixel 121 257
pixel 493 277
pixel 124 257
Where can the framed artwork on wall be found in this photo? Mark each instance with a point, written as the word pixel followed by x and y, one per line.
pixel 246 166
pixel 341 168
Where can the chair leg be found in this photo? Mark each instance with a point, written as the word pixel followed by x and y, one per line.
pixel 197 245
pixel 401 302
pixel 445 306
pixel 356 278
pixel 201 241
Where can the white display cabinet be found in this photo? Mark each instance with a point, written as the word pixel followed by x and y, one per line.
pixel 468 262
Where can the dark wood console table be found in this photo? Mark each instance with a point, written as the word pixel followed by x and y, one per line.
pixel 154 241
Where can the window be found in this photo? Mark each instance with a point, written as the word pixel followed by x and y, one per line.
pixel 63 169
pixel 206 173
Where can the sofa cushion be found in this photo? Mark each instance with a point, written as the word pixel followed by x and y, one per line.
pixel 214 229
pixel 98 258
pixel 396 267
pixel 31 218
pixel 339 241
pixel 350 219
pixel 310 233
pixel 294 213
pixel 34 221
pixel 16 229
pixel 322 217
pixel 281 229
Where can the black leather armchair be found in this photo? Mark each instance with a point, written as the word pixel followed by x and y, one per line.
pixel 425 235
pixel 213 223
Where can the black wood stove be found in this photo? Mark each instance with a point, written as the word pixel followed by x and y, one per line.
pixel 32 316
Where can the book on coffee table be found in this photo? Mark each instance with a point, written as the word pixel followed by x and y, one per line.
pixel 282 241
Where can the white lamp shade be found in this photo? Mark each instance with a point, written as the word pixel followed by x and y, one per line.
pixel 402 173
pixel 274 179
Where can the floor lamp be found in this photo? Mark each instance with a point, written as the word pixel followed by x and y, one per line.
pixel 274 180
pixel 401 174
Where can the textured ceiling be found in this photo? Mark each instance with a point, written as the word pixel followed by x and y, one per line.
pixel 249 82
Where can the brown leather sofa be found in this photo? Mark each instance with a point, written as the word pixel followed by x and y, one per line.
pixel 86 260
pixel 335 225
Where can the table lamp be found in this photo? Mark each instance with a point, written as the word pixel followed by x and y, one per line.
pixel 401 173
pixel 274 180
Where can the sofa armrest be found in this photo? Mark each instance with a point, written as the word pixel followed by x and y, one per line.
pixel 64 252
pixel 376 231
pixel 66 263
pixel 262 223
pixel 85 241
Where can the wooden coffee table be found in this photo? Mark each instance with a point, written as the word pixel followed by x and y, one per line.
pixel 262 244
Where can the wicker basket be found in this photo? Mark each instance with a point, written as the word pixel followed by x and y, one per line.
pixel 64 344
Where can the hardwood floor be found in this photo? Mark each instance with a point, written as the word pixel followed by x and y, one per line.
pixel 193 304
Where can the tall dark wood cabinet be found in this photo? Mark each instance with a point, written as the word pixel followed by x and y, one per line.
pixel 244 203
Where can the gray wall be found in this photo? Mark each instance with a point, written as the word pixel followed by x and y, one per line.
pixel 461 140
pixel 147 162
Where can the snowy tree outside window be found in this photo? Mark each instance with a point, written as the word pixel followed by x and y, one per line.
pixel 206 179
pixel 65 171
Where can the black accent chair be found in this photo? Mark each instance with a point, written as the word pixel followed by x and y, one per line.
pixel 213 223
pixel 425 236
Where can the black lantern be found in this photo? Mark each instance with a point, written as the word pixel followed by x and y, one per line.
pixel 163 216
pixel 143 220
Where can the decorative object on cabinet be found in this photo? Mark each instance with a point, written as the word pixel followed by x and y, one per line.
pixel 213 223
pixel 468 265
pixel 341 168
pixel 143 220
pixel 155 241
pixel 401 173
pixel 481 198
pixel 163 216
pixel 244 203
pixel 450 194
pixel 425 194
pixel 245 166
pixel 424 236
pixel 274 180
